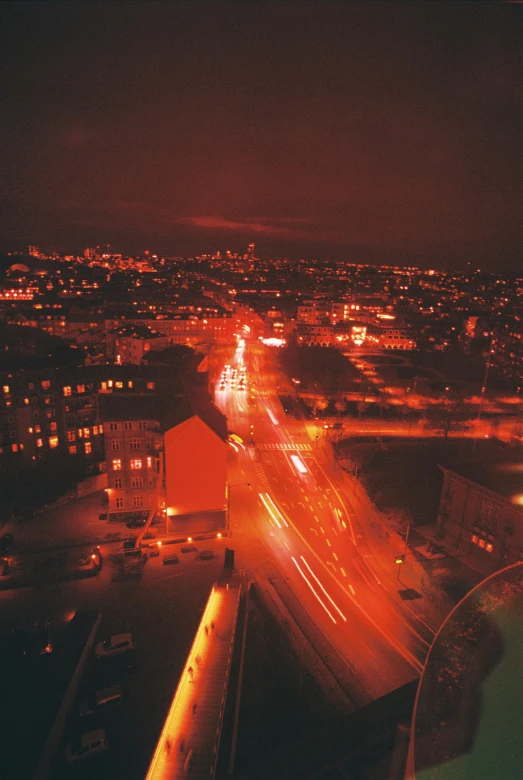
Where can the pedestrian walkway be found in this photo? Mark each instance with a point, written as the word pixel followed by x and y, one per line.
pixel 288 446
pixel 188 744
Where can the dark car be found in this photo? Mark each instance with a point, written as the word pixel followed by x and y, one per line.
pixel 6 542
pixel 136 522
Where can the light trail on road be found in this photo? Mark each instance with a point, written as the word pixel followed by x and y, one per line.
pixel 313 590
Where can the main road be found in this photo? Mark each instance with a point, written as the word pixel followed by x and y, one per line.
pixel 296 514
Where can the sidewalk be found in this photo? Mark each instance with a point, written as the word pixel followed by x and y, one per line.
pixel 375 541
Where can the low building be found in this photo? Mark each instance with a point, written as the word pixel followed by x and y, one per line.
pixel 130 343
pixel 481 518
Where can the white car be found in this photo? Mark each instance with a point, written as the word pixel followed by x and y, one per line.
pixel 115 645
pixel 102 701
pixel 89 744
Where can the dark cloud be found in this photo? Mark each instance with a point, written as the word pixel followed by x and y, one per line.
pixel 389 130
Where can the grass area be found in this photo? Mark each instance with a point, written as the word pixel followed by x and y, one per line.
pixel 402 475
pixel 321 369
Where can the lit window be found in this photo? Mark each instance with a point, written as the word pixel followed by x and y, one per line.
pixel 80 433
pixel 481 543
pixel 46 384
pixel 110 383
pixel 67 391
pixel 38 429
pixel 136 463
pixel 14 447
pixel 80 388
pixel 53 442
pixel 100 429
pixel 88 448
pixel 95 430
pixel 72 449
pixel 39 443
pixel 30 430
pixel 149 462
pixel 6 389
pixel 474 539
pixel 137 500
pixel 118 483
pixel 52 427
pixel 117 464
pixel 113 426
pixel 87 433
pixel 119 503
pixel 119 385
pixel 104 385
pixel 488 547
pixel 129 384
pixel 150 385
pixel 26 401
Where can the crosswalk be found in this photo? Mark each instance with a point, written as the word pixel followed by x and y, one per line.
pixel 286 446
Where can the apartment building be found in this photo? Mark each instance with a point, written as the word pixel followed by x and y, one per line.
pixel 133 443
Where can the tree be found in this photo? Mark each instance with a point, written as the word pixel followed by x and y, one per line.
pixel 448 417
pixel 320 404
pixel 341 407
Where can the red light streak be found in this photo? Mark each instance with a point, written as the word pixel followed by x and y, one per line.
pixel 312 589
pixel 269 510
pixel 338 610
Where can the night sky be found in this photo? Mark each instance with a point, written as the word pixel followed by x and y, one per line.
pixel 371 132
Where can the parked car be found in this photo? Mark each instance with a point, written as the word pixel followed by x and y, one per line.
pixel 91 743
pixel 206 555
pixel 6 542
pixel 115 645
pixel 136 522
pixel 102 701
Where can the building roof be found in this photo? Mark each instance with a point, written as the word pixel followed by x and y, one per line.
pixel 133 407
pixel 502 473
pixel 142 332
pixel 198 403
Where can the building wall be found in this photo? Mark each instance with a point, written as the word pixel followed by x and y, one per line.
pixel 195 468
pixel 132 450
pixel 482 524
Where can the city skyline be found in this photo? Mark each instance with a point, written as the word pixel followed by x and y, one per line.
pixel 382 134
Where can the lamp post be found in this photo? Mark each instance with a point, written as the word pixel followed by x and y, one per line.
pixel 228 489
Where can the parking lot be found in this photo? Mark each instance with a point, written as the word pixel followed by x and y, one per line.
pixel 162 607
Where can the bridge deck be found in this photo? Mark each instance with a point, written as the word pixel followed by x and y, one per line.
pixel 189 740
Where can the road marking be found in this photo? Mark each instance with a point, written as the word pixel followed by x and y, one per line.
pixel 170 577
pixel 352 589
pixel 335 556
pixel 330 545
pixel 321 529
pixel 343 571
pixel 320 505
pixel 316 518
pixel 306 499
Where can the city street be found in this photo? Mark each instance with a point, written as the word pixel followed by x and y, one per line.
pixel 310 529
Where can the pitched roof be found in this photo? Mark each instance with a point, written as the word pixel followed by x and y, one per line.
pixel 197 402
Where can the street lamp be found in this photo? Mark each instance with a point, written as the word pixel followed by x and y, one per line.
pixel 228 499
